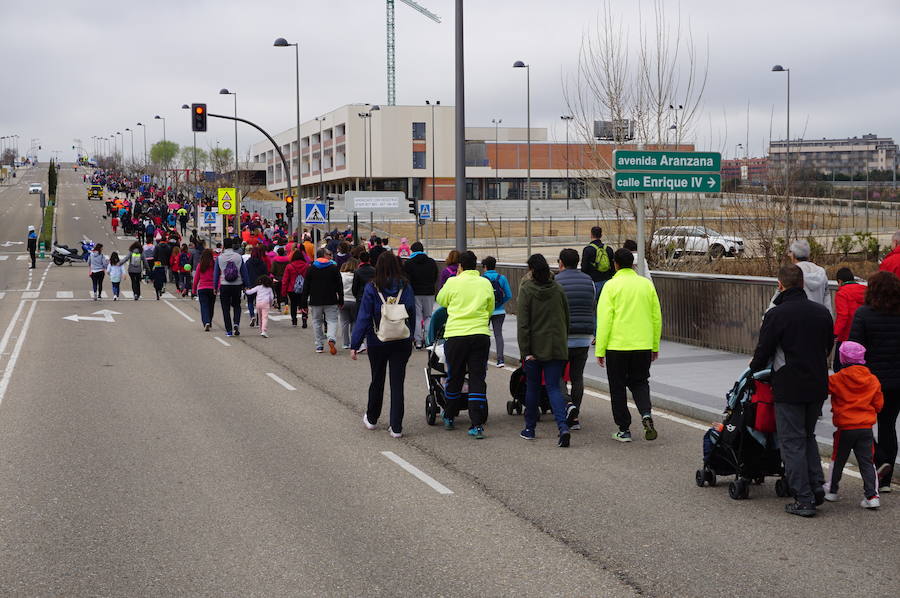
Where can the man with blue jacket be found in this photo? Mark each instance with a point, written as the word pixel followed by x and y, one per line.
pixel 500 285
pixel 582 296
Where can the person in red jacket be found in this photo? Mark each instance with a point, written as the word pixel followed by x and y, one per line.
pixel 856 399
pixel 891 262
pixel 297 267
pixel 850 295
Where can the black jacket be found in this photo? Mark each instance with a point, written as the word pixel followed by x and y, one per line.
pixel 879 333
pixel 797 334
pixel 422 272
pixel 162 253
pixel 375 253
pixel 589 254
pixel 323 285
pixel 579 290
pixel 256 268
pixel 361 278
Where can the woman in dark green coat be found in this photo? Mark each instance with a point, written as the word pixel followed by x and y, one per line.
pixel 543 324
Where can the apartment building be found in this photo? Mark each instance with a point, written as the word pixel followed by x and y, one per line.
pixel 845 156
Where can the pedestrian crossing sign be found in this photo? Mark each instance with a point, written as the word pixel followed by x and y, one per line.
pixel 314 213
pixel 425 210
pixel 227 200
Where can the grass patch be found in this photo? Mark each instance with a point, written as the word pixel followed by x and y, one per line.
pixel 47 229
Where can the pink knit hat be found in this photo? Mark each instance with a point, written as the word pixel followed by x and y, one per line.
pixel 852 353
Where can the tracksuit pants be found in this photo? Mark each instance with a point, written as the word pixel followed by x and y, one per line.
pixel 424 309
pixel 467 355
pixel 628 370
pixel 323 315
pixel 577 360
pixel 230 298
pixel 207 300
pixel 97 282
pixel 135 283
pixel 886 448
pixel 862 443
pixel 387 358
pixel 796 425
pixel 262 310
pixel 497 326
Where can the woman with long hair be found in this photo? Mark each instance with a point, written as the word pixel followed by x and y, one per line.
pixel 135 268
pixel 876 326
pixel 256 267
pixel 293 290
pixel 204 288
pixel 542 318
pixel 388 286
pixel 97 264
pixel 451 266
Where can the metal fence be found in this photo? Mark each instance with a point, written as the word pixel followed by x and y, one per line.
pixel 707 310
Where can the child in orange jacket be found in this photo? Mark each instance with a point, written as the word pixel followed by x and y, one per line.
pixel 856 399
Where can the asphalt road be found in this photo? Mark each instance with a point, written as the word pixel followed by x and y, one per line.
pixel 143 456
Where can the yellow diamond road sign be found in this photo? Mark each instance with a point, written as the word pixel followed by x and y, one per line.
pixel 227 200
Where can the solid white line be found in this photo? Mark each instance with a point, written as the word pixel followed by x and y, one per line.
pixel 410 468
pixel 183 315
pixel 223 341
pixel 11 364
pixel 280 381
pixel 12 323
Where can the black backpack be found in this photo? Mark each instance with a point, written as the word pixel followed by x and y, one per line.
pixel 499 294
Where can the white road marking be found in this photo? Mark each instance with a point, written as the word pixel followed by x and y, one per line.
pixel 168 296
pixel 64 294
pixel 5 340
pixel 14 357
pixel 22 258
pixel 2 295
pixel 280 381
pixel 128 294
pixel 3 258
pixel 223 341
pixel 30 295
pixel 183 315
pixel 421 475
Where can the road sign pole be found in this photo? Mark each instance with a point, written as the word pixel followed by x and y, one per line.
pixel 641 236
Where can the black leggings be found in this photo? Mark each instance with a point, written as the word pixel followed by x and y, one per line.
pixel 886 447
pixel 297 301
pixel 135 283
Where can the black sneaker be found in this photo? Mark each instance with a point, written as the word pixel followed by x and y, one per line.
pixel 650 432
pixel 564 438
pixel 236 331
pixel 801 509
pixel 571 414
pixel 819 496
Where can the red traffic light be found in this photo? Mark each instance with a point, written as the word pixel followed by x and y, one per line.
pixel 289 199
pixel 199 109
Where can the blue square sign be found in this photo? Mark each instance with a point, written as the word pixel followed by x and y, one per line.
pixel 145 178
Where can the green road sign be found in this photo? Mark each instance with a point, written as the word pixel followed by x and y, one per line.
pixel 649 182
pixel 652 161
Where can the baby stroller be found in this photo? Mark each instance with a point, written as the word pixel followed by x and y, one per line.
pixel 743 445
pixel 436 370
pixel 517 385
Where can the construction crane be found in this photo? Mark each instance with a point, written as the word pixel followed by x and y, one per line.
pixel 391 61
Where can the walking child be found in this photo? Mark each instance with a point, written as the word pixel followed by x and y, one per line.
pixel 115 269
pixel 265 296
pixel 856 399
pixel 158 276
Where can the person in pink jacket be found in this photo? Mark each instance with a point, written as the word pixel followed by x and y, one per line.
pixel 204 288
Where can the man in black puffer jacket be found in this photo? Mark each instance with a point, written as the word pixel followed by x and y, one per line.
pixel 422 272
pixel 580 291
pixel 796 338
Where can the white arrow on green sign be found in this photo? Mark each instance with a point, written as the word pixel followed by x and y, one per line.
pixel 663 161
pixel 650 182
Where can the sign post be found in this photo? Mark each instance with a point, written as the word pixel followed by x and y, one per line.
pixel 639 172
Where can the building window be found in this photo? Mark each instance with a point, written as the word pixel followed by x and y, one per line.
pixel 418 159
pixel 340 130
pixel 418 131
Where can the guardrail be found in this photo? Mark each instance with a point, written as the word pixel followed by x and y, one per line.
pixel 708 310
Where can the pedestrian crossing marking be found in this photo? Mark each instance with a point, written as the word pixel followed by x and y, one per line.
pixel 2 295
pixel 31 295
pixel 22 258
pixel 128 294
pixel 3 258
pixel 64 294
pixel 168 296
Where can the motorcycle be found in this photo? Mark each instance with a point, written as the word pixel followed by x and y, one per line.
pixel 63 254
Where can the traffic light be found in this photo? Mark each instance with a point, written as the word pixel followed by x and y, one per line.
pixel 414 208
pixel 289 206
pixel 330 204
pixel 198 118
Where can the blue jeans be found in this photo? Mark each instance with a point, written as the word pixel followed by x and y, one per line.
pixel 251 305
pixel 552 372
pixel 207 305
pixel 598 286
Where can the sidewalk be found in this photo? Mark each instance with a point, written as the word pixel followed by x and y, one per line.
pixel 688 380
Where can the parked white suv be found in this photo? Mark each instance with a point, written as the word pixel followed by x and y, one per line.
pixel 680 240
pixel 35 188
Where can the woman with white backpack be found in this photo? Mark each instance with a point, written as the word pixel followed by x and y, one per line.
pixel 383 321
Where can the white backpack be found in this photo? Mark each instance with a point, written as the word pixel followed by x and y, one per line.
pixel 393 319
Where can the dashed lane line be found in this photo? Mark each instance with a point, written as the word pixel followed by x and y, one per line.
pixel 222 341
pixel 280 381
pixel 418 473
pixel 183 315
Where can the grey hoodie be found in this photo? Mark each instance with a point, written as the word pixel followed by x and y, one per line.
pixel 815 283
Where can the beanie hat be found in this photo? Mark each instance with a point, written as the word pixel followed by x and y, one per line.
pixel 852 353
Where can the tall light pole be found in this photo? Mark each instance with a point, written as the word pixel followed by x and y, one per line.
pixel 433 161
pixel 186 107
pixel 519 65
pixel 145 142
pixel 320 120
pixel 165 150
pixel 283 43
pixel 496 122
pixel 131 131
pixel 365 116
pixel 568 118
pixel 236 218
pixel 787 171
pixel 121 145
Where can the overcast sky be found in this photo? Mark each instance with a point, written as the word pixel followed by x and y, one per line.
pixel 73 70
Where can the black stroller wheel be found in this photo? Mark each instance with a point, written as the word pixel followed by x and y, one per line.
pixel 739 489
pixel 711 478
pixel 430 410
pixel 700 478
pixel 510 407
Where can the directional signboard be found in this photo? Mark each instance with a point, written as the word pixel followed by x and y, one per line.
pixel 655 161
pixel 649 182
pixel 426 209
pixel 314 213
pixel 376 201
pixel 227 200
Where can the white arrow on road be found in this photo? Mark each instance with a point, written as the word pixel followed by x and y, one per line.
pixel 106 315
pixel 11 243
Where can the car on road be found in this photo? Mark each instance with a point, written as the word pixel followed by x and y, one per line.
pixel 35 188
pixel 95 192
pixel 675 241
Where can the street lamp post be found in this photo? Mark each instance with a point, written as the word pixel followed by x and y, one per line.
pixel 496 122
pixel 787 171
pixel 433 163
pixel 283 43
pixel 225 92
pixel 165 152
pixel 320 120
pixel 121 145
pixel 131 131
pixel 144 128
pixel 186 107
pixel 568 118
pixel 518 65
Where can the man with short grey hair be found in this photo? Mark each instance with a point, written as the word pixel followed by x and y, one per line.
pixel 815 280
pixel 891 262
